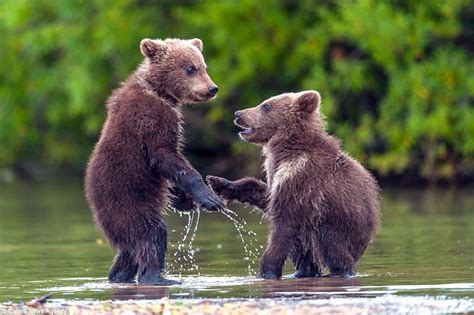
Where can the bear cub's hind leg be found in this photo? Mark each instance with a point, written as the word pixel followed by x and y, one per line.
pixel 151 252
pixel 123 268
pixel 152 274
pixel 335 252
pixel 304 265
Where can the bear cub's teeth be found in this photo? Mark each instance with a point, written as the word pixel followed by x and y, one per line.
pixel 247 131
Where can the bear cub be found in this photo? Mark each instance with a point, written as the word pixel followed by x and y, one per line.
pixel 137 167
pixel 322 205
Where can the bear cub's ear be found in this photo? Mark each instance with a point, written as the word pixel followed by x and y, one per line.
pixel 309 101
pixel 196 42
pixel 152 48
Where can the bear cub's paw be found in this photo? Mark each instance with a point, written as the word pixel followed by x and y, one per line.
pixel 221 186
pixel 180 201
pixel 207 199
pixel 268 275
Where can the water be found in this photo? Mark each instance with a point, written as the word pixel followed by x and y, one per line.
pixel 48 244
pixel 184 256
pixel 251 255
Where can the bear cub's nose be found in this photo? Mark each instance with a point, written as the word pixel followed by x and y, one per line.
pixel 237 114
pixel 213 90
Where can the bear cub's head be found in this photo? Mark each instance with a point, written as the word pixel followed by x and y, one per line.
pixel 283 116
pixel 175 68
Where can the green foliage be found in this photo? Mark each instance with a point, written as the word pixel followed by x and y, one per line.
pixel 395 76
pixel 60 61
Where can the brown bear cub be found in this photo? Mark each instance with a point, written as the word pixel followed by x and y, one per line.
pixel 322 205
pixel 137 167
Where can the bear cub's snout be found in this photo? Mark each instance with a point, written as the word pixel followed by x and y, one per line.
pixel 213 90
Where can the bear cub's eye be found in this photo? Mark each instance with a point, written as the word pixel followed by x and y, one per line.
pixel 191 70
pixel 266 107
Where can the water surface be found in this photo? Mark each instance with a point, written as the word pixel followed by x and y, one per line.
pixel 48 244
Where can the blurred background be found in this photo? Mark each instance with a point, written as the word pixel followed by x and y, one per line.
pixel 396 79
pixel 397 85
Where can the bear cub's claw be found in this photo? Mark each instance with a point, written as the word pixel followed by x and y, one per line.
pixel 220 186
pixel 217 183
pixel 207 199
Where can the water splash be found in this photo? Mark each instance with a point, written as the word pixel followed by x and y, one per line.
pixel 252 253
pixel 184 256
pixel 191 251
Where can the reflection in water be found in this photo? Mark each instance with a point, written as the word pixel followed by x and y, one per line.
pixel 304 287
pixel 48 243
pixel 139 292
pixel 245 287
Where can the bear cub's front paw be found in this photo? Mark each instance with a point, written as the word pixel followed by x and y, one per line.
pixel 221 186
pixel 268 275
pixel 180 201
pixel 207 199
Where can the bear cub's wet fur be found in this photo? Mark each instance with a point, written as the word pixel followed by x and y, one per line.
pixel 322 205
pixel 137 168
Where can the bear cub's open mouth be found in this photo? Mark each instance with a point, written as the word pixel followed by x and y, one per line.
pixel 246 130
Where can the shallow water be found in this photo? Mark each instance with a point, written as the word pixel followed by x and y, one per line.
pixel 48 244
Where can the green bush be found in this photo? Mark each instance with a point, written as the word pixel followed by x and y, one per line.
pixel 395 76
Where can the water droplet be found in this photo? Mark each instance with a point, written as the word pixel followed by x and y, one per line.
pixel 239 226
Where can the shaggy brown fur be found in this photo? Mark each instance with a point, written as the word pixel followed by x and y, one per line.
pixel 139 155
pixel 323 206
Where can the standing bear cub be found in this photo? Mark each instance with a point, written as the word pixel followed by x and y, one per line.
pixel 322 205
pixel 137 166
